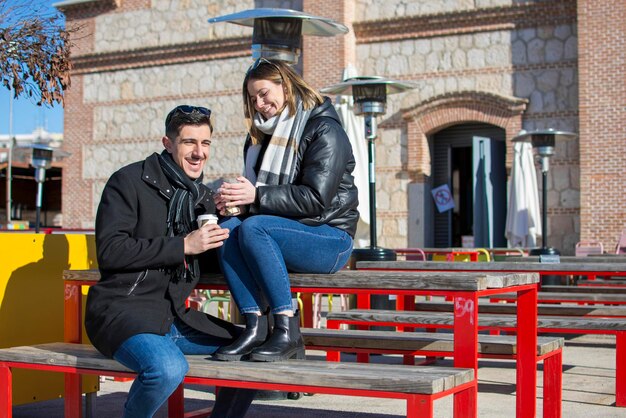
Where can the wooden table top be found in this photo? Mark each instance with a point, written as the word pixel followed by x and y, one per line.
pixel 497 266
pixel 569 259
pixel 381 280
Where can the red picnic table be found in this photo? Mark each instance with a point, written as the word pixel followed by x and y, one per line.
pixel 465 289
pixel 591 259
pixel 579 268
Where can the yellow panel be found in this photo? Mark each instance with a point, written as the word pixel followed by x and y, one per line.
pixel 31 301
pixel 457 257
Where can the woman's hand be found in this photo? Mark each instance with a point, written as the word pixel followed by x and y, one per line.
pixel 206 238
pixel 240 193
pixel 220 203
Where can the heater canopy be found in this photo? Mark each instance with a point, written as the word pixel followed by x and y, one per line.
pixel 544 140
pixel 42 156
pixel 369 92
pixel 278 33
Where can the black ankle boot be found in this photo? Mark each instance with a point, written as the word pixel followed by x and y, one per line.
pixel 285 342
pixel 255 334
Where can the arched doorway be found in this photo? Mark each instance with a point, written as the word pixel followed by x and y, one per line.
pixel 426 119
pixel 470 159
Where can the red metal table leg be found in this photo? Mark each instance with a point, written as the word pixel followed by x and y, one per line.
pixel 72 317
pixel 6 392
pixel 333 355
pixel 72 333
pixel 73 398
pixel 419 407
pixel 552 385
pixel 527 353
pixel 363 301
pixel 620 369
pixel 466 350
pixel 176 403
pixel 406 303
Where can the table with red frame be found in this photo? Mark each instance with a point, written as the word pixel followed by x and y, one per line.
pixel 594 260
pixel 465 330
pixel 589 268
pixel 579 268
pixel 465 289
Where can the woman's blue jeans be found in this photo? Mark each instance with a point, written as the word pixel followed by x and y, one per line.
pixel 161 366
pixel 261 249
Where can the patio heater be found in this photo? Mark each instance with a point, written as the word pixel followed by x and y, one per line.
pixel 41 160
pixel 543 142
pixel 370 99
pixel 277 33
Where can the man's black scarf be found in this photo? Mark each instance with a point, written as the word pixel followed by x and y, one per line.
pixel 181 210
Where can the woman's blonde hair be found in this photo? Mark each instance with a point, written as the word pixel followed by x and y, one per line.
pixel 280 73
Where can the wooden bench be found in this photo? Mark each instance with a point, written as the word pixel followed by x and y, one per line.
pixel 615 311
pixel 417 343
pixel 590 298
pixel 500 322
pixel 419 386
pixel 615 282
pixel 549 350
pixel 609 290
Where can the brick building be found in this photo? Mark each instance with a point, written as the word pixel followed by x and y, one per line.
pixel 484 69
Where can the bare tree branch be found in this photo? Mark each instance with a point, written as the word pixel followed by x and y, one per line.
pixel 34 51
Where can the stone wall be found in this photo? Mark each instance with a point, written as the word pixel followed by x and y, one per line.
pixel 173 22
pixel 534 63
pixel 511 63
pixel 134 61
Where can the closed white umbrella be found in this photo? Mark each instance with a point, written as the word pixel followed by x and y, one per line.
pixel 354 126
pixel 523 218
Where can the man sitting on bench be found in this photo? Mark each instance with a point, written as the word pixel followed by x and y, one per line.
pixel 149 251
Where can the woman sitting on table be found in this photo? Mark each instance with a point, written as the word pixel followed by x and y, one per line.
pixel 299 206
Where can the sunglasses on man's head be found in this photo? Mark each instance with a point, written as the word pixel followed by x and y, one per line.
pixel 187 110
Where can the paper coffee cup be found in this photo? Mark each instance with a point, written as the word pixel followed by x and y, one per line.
pixel 207 218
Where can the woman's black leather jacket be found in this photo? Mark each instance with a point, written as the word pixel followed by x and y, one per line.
pixel 323 190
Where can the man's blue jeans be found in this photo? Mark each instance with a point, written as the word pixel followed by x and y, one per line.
pixel 261 249
pixel 161 366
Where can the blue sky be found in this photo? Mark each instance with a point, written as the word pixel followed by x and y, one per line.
pixel 26 114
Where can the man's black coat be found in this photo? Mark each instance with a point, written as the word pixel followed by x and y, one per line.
pixel 136 293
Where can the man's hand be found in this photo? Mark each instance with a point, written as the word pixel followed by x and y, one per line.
pixel 206 238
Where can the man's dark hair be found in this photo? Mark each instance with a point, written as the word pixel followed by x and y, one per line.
pixel 186 115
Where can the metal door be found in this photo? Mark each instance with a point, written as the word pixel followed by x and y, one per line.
pixel 481 148
pixel 489 181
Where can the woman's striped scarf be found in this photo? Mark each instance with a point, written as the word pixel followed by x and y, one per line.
pixel 278 165
pixel 181 210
